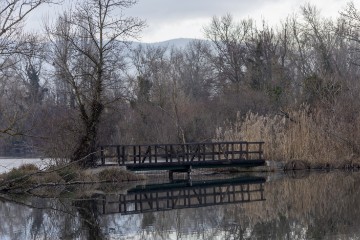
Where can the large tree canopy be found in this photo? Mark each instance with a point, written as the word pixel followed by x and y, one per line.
pixel 87 48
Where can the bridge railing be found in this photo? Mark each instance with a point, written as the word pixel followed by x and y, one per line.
pixel 180 153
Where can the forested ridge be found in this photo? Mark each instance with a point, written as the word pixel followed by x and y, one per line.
pixel 81 82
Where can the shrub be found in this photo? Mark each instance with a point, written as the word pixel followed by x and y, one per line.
pixel 23 170
pixel 70 173
pixel 51 177
pixel 21 173
pixel 118 175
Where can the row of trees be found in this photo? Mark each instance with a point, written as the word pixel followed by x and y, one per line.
pixel 81 82
pixel 83 58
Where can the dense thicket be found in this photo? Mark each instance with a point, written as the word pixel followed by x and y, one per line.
pixel 85 84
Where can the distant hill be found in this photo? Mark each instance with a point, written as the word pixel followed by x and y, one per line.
pixel 177 43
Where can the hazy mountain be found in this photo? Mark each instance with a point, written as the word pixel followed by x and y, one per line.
pixel 177 43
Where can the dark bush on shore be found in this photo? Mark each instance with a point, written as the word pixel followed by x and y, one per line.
pixel 118 175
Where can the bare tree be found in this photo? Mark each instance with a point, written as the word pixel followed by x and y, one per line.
pixel 321 82
pixel 87 46
pixel 229 39
pixel 30 70
pixel 351 27
pixel 13 14
pixel 197 74
pixel 262 56
pixel 152 70
pixel 13 46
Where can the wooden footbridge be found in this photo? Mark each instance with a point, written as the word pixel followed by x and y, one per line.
pixel 180 195
pixel 183 157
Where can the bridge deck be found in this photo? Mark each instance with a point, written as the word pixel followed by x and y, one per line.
pixel 183 156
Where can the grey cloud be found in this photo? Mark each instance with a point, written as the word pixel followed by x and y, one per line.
pixel 172 10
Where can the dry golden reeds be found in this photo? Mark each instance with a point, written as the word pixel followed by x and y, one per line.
pixel 297 135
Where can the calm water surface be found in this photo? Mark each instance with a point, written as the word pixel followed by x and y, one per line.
pixel 296 206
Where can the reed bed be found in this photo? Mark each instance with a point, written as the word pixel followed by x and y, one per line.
pixel 297 135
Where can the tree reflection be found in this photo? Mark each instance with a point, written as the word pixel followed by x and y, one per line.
pixel 89 214
pixel 317 206
pixel 37 222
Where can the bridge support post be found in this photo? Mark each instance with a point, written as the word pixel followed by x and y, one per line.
pixel 189 176
pixel 102 156
pixel 189 173
pixel 171 175
pixel 186 170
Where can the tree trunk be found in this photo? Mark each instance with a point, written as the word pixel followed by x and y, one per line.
pixel 85 153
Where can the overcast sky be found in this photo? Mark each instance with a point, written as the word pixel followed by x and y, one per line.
pixel 169 19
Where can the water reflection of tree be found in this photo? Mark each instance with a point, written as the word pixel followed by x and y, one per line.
pixel 313 207
pixel 321 205
pixel 148 220
pixel 229 224
pixel 89 214
pixel 279 228
pixel 37 219
pixel 26 217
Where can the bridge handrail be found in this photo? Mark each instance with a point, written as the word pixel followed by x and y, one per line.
pixel 178 144
pixel 203 151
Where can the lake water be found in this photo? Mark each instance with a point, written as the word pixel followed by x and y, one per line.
pixel 299 205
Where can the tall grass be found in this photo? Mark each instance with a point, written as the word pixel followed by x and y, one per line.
pixel 298 135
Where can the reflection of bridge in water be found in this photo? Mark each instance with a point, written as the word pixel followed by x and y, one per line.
pixel 184 194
